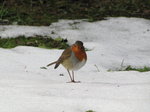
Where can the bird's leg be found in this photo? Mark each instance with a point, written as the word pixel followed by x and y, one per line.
pixel 73 76
pixel 69 75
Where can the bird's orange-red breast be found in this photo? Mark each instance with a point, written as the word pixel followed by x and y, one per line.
pixel 73 58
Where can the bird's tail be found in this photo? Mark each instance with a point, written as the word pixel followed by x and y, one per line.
pixel 52 63
pixel 57 64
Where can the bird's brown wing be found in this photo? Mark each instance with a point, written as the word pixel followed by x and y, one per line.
pixel 66 54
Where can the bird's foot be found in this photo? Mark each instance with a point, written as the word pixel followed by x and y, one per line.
pixel 73 81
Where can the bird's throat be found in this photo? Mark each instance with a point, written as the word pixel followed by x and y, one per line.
pixel 80 54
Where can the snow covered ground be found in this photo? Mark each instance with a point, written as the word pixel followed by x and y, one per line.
pixel 25 87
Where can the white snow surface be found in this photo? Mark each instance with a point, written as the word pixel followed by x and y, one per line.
pixel 25 87
pixel 114 40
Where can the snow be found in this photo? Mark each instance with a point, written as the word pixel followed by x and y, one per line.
pixel 115 40
pixel 15 30
pixel 25 87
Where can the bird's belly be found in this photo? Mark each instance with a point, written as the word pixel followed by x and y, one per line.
pixel 79 65
pixel 73 63
pixel 67 64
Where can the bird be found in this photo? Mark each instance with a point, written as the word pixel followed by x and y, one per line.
pixel 72 58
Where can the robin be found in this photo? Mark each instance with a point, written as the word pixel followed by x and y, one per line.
pixel 73 58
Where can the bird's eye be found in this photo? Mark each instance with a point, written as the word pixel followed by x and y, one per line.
pixel 81 47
